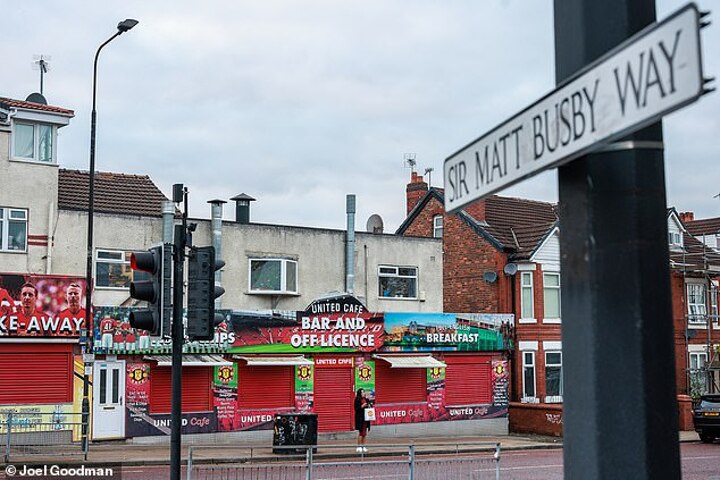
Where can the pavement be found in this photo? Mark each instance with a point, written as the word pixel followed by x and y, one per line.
pixel 121 452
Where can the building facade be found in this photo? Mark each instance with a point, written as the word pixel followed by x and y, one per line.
pixel 502 255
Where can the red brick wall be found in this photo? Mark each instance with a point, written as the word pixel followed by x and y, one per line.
pixel 467 256
pixel 541 419
pixel 422 225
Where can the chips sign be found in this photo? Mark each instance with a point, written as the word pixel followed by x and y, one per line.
pixel 649 75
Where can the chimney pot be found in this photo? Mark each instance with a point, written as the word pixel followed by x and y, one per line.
pixel 242 208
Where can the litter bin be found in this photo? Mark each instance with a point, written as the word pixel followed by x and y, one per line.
pixel 294 429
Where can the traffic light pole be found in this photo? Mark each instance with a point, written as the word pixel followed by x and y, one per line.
pixel 179 194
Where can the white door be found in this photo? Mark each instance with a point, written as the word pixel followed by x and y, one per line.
pixel 108 413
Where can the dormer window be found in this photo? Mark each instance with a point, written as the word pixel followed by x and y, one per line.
pixel 33 142
pixel 675 240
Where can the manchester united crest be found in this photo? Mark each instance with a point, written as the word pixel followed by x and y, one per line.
pixel 225 374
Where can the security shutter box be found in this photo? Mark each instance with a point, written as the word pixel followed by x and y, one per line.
pixel 36 374
pixel 468 380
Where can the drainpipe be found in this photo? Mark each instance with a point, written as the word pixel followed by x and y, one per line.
pixel 216 214
pixel 50 236
pixel 168 215
pixel 350 245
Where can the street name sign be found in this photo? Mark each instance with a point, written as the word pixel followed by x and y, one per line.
pixel 654 72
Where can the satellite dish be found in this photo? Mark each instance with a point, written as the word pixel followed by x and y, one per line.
pixel 510 269
pixel 490 277
pixel 36 98
pixel 374 224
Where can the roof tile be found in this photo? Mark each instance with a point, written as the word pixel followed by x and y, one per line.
pixel 10 103
pixel 117 193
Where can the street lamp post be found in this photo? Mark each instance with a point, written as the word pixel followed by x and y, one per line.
pixel 122 27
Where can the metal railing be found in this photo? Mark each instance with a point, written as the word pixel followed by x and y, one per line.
pixel 26 434
pixel 302 462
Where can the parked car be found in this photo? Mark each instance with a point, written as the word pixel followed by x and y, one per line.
pixel 706 417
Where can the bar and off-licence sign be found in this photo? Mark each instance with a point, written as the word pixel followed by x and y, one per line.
pixel 656 71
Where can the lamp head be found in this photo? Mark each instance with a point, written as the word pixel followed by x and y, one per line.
pixel 126 25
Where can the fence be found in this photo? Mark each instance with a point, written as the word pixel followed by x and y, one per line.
pixel 41 434
pixel 390 462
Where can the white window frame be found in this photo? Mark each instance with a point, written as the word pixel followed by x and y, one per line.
pixel 284 289
pixel 123 259
pixel 557 287
pixel 7 215
pixel 529 286
pixel 554 398
pixel 696 303
pixel 714 304
pixel 438 226
pixel 36 126
pixel 529 354
pixel 394 271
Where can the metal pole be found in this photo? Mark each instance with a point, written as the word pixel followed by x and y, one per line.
pixel 177 344
pixel 309 461
pixel 411 468
pixel 189 463
pixel 7 440
pixel 89 257
pixel 620 405
pixel 496 457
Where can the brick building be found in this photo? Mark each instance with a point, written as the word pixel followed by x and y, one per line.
pixel 502 255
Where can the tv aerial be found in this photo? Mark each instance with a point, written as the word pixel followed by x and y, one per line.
pixel 40 62
pixel 409 160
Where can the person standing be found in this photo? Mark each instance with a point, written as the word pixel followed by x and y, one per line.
pixel 361 425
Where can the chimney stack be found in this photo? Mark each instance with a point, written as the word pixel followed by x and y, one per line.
pixel 687 217
pixel 415 190
pixel 242 208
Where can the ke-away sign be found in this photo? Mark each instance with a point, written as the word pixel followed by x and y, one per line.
pixel 656 71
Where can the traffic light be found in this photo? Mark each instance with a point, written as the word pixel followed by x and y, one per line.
pixel 202 292
pixel 156 319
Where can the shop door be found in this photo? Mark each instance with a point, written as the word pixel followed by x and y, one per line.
pixel 334 397
pixel 108 400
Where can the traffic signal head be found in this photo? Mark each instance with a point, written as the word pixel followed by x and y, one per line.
pixel 156 291
pixel 202 292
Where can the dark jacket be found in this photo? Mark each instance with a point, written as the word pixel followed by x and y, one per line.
pixel 360 406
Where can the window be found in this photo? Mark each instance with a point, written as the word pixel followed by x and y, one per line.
pixel 33 142
pixel 697 373
pixel 696 302
pixel 397 282
pixel 551 295
pixel 13 229
pixel 112 270
pixel 438 226
pixel 714 303
pixel 526 296
pixel 528 377
pixel 674 238
pixel 276 275
pixel 553 377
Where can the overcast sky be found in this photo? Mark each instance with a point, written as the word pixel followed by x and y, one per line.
pixel 298 103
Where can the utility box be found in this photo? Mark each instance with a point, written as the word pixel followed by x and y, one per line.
pixel 294 429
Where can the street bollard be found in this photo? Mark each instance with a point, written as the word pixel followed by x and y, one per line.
pixel 496 457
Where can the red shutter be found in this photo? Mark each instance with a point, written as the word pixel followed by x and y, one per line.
pixel 399 385
pixel 196 389
pixel 468 380
pixel 36 374
pixel 334 398
pixel 266 387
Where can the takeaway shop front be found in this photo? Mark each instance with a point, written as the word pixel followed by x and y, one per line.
pixel 41 367
pixel 418 368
